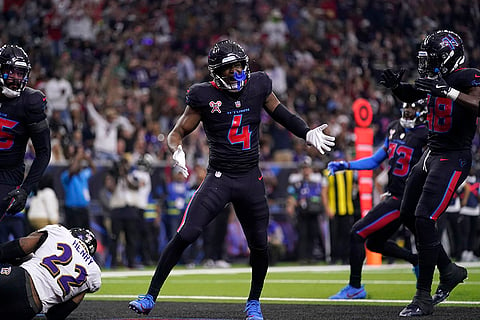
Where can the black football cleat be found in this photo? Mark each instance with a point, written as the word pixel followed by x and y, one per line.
pixel 448 282
pixel 418 307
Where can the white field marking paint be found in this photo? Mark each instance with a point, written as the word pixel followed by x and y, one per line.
pixel 285 281
pixel 292 300
pixel 407 268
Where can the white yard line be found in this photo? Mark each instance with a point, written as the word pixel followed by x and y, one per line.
pixel 296 269
pixel 291 300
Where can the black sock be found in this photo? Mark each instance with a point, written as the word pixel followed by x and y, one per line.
pixel 259 264
pixel 168 259
pixel 357 257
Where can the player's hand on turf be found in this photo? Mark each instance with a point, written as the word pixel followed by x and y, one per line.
pixel 320 140
pixel 436 86
pixel 391 79
pixel 179 161
pixel 16 200
pixel 334 166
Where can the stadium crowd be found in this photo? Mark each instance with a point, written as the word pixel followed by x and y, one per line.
pixel 115 73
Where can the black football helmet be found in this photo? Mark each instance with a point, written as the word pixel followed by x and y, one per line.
pixel 414 114
pixel 87 237
pixel 440 52
pixel 223 55
pixel 15 69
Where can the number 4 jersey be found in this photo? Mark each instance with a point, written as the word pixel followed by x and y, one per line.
pixel 61 268
pixel 231 121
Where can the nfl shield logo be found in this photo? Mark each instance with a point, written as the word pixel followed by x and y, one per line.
pixel 237 104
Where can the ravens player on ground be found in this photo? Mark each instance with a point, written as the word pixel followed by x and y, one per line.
pixel 404 145
pixel 230 109
pixel 22 117
pixel 446 162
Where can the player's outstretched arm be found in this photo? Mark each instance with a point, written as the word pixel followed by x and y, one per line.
pixel 293 123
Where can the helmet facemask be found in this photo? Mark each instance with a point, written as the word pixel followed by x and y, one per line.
pixel 14 80
pixel 228 55
pixel 413 114
pixel 15 70
pixel 232 83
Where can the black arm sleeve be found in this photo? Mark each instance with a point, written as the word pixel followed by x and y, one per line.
pixel 407 93
pixel 62 310
pixel 290 120
pixel 40 135
pixel 11 250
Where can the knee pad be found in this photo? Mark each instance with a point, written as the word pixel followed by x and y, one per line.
pixel 427 235
pixel 189 234
pixel 356 238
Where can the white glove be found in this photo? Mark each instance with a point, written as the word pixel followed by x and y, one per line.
pixel 320 140
pixel 179 161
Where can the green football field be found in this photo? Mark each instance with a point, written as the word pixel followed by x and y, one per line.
pixel 385 285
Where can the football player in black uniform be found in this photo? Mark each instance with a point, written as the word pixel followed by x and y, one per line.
pixel 22 117
pixel 403 147
pixel 230 109
pixel 446 162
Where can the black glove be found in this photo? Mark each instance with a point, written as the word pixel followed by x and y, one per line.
pixel 391 79
pixel 435 86
pixel 16 200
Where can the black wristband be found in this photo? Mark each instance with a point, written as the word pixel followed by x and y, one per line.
pixel 291 121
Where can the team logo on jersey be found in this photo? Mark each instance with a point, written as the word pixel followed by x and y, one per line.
pixel 391 133
pixel 6 271
pixel 238 104
pixel 215 106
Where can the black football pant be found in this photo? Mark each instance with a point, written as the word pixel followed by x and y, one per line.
pixel 428 192
pixel 246 191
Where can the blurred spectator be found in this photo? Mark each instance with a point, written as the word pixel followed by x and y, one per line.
pixel 44 208
pixel 340 192
pixel 124 215
pixel 77 192
pixel 468 218
pixel 141 173
pixel 175 202
pixel 237 247
pixel 106 129
pixel 305 195
pixel 275 30
pixel 59 94
pixel 276 246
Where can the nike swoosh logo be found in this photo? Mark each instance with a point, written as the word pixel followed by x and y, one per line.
pixel 440 86
pixel 477 76
pixel 349 296
pixel 260 178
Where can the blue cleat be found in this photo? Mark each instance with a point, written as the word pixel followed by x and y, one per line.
pixel 416 270
pixel 253 310
pixel 350 292
pixel 143 305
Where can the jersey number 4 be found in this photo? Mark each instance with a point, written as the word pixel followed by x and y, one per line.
pixel 238 133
